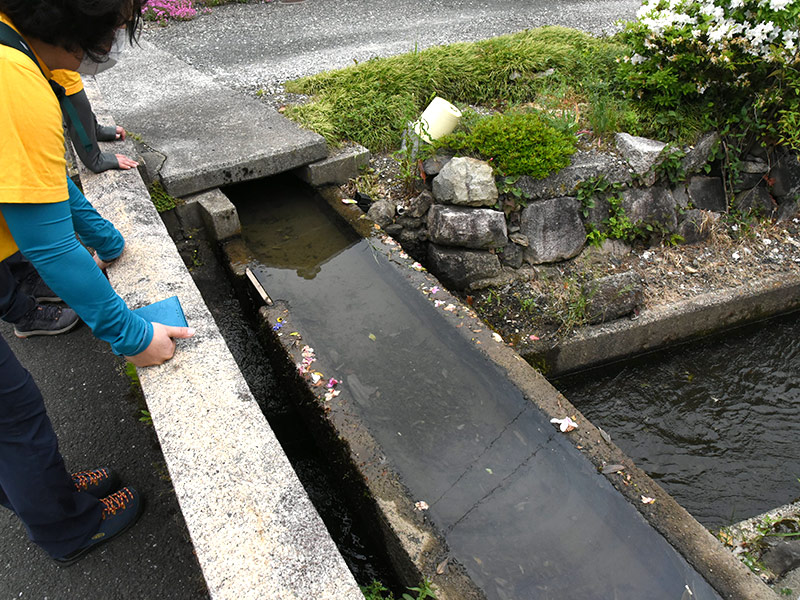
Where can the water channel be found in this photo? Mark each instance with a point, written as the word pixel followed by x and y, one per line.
pixel 521 509
pixel 714 422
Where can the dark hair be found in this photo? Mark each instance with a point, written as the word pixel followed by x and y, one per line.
pixel 88 25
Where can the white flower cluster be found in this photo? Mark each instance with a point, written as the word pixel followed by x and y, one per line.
pixel 751 26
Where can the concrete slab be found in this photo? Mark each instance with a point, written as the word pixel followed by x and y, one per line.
pixel 343 164
pixel 210 135
pixel 254 529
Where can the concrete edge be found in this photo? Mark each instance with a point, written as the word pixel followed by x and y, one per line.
pixel 665 326
pixel 413 534
pixel 254 529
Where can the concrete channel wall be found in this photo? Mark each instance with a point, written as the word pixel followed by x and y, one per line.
pixel 254 529
pixel 417 546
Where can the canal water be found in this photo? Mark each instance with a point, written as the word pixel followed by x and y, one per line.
pixel 522 510
pixel 715 422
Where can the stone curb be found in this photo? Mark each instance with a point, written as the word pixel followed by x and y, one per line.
pixel 664 326
pixel 418 548
pixel 254 529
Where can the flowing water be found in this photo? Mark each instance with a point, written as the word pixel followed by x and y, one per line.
pixel 523 511
pixel 715 422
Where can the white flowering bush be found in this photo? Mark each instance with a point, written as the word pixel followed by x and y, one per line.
pixel 735 61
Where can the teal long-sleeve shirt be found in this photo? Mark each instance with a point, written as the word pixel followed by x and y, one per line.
pixel 45 233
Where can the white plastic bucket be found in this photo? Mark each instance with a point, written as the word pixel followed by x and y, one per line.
pixel 437 120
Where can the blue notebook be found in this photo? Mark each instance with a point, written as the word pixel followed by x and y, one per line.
pixel 166 312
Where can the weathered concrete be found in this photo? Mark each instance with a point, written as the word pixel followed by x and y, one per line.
pixel 210 136
pixel 218 213
pixel 254 529
pixel 343 164
pixel 664 326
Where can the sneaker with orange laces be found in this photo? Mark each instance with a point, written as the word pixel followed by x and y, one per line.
pixel 97 482
pixel 120 511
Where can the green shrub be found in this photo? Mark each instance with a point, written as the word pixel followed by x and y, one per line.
pixel 517 144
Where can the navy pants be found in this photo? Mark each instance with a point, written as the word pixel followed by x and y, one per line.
pixel 14 305
pixel 33 480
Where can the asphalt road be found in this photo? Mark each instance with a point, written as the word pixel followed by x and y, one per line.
pixel 261 45
pixel 95 415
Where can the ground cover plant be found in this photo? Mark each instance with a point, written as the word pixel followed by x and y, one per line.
pixel 163 11
pixel 552 68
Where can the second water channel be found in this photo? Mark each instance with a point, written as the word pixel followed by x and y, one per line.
pixel 715 422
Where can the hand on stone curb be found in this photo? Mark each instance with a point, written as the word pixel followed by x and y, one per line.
pixel 162 347
pixel 125 162
pixel 120 134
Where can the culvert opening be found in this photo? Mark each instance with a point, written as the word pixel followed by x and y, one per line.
pixel 521 510
pixel 714 421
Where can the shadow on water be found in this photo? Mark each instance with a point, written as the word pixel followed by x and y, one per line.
pixel 522 510
pixel 714 422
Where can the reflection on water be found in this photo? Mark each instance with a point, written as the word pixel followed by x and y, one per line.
pixel 290 227
pixel 716 423
pixel 524 513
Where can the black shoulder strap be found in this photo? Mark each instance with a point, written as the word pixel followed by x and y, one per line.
pixel 10 38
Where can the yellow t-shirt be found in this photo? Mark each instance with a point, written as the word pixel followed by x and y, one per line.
pixel 32 165
pixel 69 80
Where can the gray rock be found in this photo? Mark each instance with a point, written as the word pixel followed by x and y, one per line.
pixel 757 201
pixel 681 196
pixel 641 153
pixel 432 166
pixel 457 268
pixel 513 255
pixel 583 166
pixel 698 156
pixel 788 210
pixel 613 296
pixel 751 172
pixel 654 206
pixel 554 230
pixel 707 193
pixel 466 181
pixel 598 212
pixel 616 248
pixel 519 239
pixel 694 226
pixel 477 228
pixel 417 206
pixel 410 223
pixel 382 212
pixel 786 175
pixel 782 557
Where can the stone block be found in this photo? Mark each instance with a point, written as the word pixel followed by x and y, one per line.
pixel 583 166
pixel 694 226
pixel 613 296
pixel 218 213
pixel 477 228
pixel 458 267
pixel 654 206
pixel 707 193
pixel 342 165
pixel 757 201
pixel 642 154
pixel 554 230
pixel 465 181
pixel 786 176
pixel 382 212
pixel 698 155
